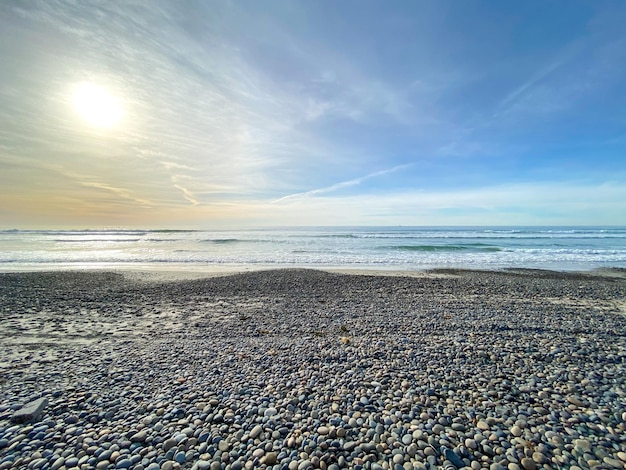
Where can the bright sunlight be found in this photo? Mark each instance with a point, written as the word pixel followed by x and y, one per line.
pixel 97 106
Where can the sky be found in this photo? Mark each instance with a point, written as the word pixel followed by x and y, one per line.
pixel 226 114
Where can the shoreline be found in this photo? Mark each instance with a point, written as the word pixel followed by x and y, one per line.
pixel 304 368
pixel 146 272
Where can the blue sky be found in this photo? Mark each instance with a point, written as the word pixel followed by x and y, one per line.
pixel 251 113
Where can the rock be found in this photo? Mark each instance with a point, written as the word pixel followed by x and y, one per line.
pixel 482 425
pixel 180 457
pixel 539 458
pixel 348 446
pixel 450 455
pixel 71 419
pixel 583 444
pixel 139 437
pixel 256 431
pixel 528 464
pixel 516 431
pixel 123 463
pixel 58 463
pixel 270 458
pixel 31 411
pixel 575 400
pixel 168 444
pixel 613 462
pixel 471 444
pixel 322 430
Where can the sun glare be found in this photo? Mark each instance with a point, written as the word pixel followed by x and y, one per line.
pixel 97 106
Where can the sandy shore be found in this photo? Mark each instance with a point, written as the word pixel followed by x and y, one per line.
pixel 297 369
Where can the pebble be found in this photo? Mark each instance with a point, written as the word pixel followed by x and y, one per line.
pixel 482 425
pixel 256 431
pixel 436 371
pixel 139 437
pixel 613 462
pixel 539 458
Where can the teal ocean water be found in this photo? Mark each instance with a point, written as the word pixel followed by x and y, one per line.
pixel 394 248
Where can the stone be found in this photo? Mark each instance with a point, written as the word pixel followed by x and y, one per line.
pixel 613 462
pixel 516 431
pixel 31 411
pixel 450 455
pixel 180 456
pixel 139 437
pixel 322 430
pixel 539 458
pixel 256 431
pixel 528 464
pixel 575 400
pixel 482 425
pixel 270 458
pixel 168 444
pixel 583 444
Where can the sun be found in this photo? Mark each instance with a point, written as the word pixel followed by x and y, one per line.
pixel 97 106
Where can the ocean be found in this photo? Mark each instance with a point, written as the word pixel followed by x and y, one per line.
pixel 381 248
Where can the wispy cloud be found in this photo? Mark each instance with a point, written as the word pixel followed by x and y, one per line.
pixel 341 185
pixel 532 82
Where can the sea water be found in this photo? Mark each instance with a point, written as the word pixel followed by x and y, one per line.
pixel 392 248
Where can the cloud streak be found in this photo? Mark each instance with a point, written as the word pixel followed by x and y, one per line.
pixel 341 185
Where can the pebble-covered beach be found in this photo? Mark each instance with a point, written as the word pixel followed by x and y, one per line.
pixel 300 369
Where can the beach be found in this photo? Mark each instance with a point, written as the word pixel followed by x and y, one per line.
pixel 301 368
